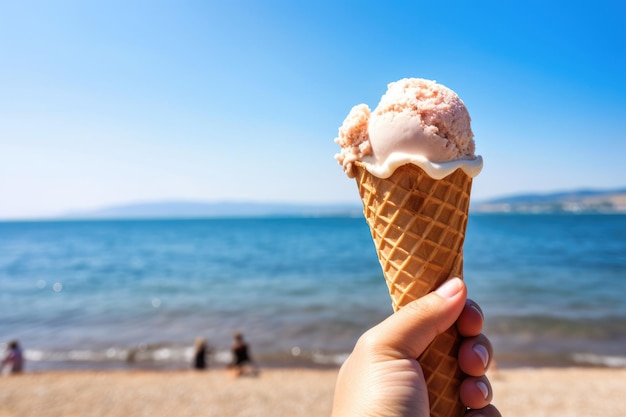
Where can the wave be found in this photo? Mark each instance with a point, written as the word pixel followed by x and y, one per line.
pixel 608 361
pixel 164 356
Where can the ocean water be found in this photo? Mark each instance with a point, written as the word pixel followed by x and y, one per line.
pixel 135 294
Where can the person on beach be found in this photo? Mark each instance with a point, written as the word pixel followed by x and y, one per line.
pixel 381 377
pixel 13 362
pixel 242 360
pixel 201 351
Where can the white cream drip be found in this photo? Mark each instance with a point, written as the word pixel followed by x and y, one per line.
pixel 436 170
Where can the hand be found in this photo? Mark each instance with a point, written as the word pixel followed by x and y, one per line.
pixel 382 377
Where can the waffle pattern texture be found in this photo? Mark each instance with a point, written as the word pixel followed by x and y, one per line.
pixel 418 227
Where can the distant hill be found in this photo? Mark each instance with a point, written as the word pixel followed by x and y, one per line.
pixel 581 201
pixel 198 209
pixel 578 201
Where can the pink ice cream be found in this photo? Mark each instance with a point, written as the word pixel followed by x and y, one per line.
pixel 417 121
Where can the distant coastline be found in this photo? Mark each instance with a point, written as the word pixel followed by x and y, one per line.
pixel 574 202
pixel 562 202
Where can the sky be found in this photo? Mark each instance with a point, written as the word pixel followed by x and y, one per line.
pixel 113 102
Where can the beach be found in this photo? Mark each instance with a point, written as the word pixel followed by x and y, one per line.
pixel 284 392
pixel 107 312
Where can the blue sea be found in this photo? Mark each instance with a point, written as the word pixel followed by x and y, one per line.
pixel 137 293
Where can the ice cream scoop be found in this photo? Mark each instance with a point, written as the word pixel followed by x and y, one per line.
pixel 413 160
pixel 417 121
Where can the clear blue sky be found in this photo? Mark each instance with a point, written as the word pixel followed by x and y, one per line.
pixel 108 102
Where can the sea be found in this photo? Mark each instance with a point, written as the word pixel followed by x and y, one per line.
pixel 135 294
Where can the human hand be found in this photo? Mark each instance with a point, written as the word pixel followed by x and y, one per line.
pixel 381 377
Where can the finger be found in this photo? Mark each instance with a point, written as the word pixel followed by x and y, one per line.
pixel 408 332
pixel 470 322
pixel 475 354
pixel 489 411
pixel 475 392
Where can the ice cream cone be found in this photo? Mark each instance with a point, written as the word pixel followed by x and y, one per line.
pixel 418 227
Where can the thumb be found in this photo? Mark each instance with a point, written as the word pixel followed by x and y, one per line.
pixel 409 331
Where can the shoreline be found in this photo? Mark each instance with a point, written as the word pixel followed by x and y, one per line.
pixel 547 391
pixel 177 356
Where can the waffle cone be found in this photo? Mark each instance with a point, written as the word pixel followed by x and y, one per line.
pixel 418 227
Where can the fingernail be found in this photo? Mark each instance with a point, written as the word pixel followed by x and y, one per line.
pixel 483 388
pixel 449 288
pixel 477 309
pixel 482 353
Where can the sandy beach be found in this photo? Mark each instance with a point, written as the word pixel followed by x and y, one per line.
pixel 283 392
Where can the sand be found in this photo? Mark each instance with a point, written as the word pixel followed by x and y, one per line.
pixel 283 392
